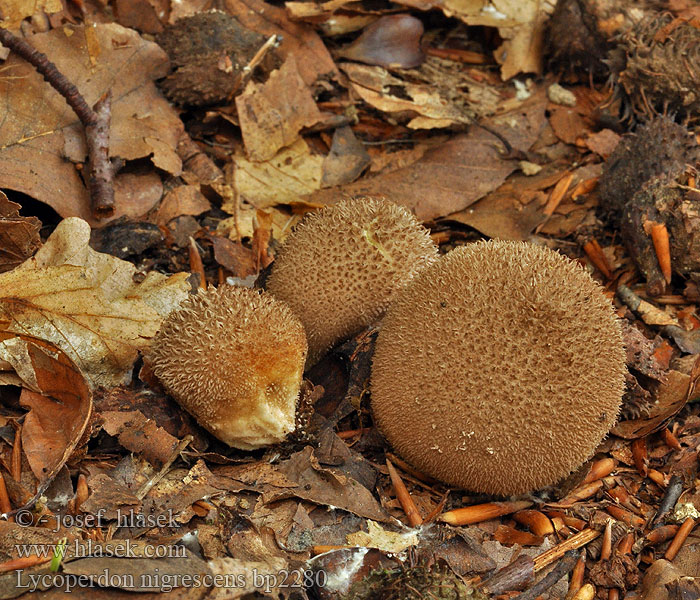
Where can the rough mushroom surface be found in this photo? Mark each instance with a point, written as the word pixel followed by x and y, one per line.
pixel 499 369
pixel 234 359
pixel 342 265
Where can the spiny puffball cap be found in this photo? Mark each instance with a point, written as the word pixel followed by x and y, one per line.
pixel 234 359
pixel 341 266
pixel 499 369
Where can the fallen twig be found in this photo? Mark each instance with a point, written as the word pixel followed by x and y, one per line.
pixel 567 563
pixel 96 122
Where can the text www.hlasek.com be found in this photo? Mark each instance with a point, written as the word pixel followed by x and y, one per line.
pixel 153 580
pixel 121 549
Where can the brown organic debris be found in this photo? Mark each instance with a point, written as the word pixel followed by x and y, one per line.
pixel 653 66
pixel 208 52
pixel 391 41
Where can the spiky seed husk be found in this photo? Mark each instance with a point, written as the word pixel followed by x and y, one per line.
pixel 498 369
pixel 660 148
pixel 234 359
pixel 656 60
pixel 342 265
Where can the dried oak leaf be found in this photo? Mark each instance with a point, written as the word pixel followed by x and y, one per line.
pixel 272 114
pixel 19 236
pixel 449 178
pixel 39 131
pixel 521 25
pixel 325 486
pixel 385 92
pixel 13 12
pixel 87 303
pixel 294 172
pixel 182 200
pixel 59 401
pixel 298 39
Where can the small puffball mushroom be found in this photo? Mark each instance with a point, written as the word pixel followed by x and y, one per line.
pixel 234 359
pixel 341 266
pixel 498 369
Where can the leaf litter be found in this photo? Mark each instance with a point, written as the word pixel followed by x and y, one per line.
pixel 472 137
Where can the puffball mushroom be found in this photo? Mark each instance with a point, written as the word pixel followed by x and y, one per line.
pixel 234 359
pixel 499 369
pixel 341 266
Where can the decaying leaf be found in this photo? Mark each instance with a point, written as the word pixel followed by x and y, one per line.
pixel 272 114
pixel 298 39
pixel 294 172
pixel 13 12
pixel 375 85
pixel 40 131
pixel 378 537
pixel 346 159
pixel 138 434
pixel 19 236
pixel 59 401
pixel 671 396
pixel 451 177
pixel 87 303
pixel 182 200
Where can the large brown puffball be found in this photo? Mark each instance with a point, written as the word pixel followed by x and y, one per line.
pixel 341 266
pixel 234 359
pixel 499 369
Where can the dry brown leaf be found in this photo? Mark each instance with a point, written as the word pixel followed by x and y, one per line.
pixel 521 24
pixel 325 486
pixel 567 123
pixel 182 200
pixel 135 194
pixel 137 14
pixel 19 236
pixel 39 130
pixel 59 401
pixel 346 160
pixel 140 435
pixel 671 396
pixel 451 177
pixel 13 12
pixel 272 114
pixel 298 39
pixel 287 177
pixel 87 303
pixel 234 257
pixel 508 213
pixel 603 142
pixel 375 85
pixel 517 208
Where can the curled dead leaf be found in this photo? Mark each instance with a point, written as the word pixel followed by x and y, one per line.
pixel 58 398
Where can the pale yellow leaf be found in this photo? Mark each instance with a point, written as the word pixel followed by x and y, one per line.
pixel 378 537
pixel 87 303
pixel 15 11
pixel 291 174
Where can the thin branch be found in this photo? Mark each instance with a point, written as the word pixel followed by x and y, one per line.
pixel 96 123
